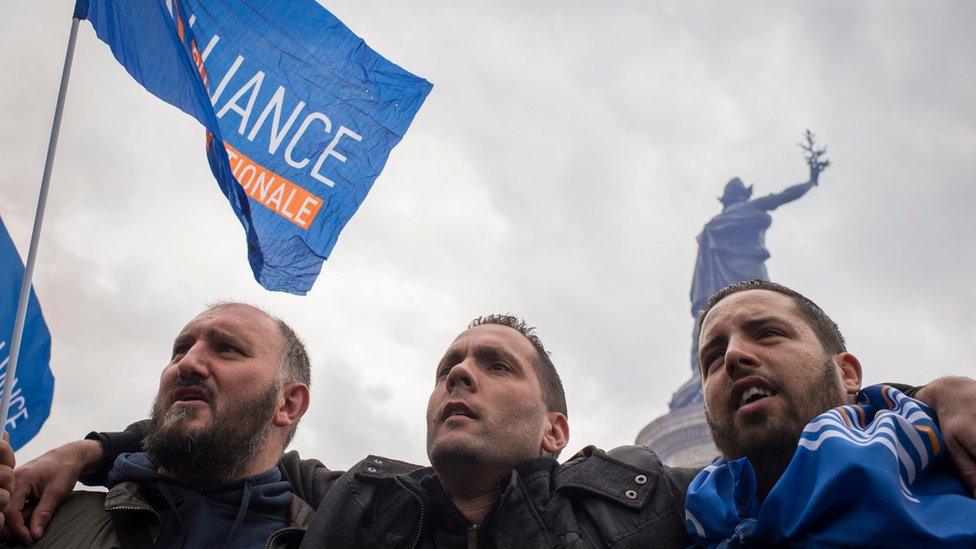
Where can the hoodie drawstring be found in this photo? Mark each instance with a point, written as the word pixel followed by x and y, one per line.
pixel 241 512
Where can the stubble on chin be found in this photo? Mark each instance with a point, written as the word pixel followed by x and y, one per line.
pixel 452 449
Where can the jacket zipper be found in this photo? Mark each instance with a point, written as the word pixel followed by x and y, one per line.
pixel 159 519
pixel 420 525
pixel 473 537
pixel 277 533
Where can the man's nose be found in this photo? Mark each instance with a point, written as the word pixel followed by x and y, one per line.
pixel 195 362
pixel 462 374
pixel 740 357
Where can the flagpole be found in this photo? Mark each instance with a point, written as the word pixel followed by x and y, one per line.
pixel 25 284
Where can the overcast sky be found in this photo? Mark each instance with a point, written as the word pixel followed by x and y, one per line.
pixel 564 163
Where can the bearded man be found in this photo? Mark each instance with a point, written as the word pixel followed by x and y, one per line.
pixel 229 402
pixel 808 457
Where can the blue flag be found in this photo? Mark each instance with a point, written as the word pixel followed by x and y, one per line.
pixel 301 115
pixel 873 474
pixel 33 389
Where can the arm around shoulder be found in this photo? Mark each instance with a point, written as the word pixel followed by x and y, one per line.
pixel 310 479
pixel 953 398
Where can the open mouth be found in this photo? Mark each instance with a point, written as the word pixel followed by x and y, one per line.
pixel 457 409
pixel 749 391
pixel 752 394
pixel 190 394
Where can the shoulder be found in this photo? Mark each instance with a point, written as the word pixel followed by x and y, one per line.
pixel 372 504
pixel 626 493
pixel 310 478
pixel 81 520
pixel 379 466
pixel 376 475
pixel 81 506
pixel 631 467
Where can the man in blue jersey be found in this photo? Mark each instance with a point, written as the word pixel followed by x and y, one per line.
pixel 795 467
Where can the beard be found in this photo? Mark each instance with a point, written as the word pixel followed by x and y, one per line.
pixel 216 453
pixel 771 446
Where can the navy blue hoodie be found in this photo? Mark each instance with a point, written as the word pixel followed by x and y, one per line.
pixel 240 514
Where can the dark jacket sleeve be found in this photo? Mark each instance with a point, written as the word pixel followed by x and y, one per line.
pixel 310 479
pixel 114 444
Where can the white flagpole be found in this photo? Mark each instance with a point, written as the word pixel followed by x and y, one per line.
pixel 25 284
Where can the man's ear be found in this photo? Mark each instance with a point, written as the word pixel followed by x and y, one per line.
pixel 849 368
pixel 294 404
pixel 556 435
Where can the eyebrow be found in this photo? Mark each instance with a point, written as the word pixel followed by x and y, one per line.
pixel 489 352
pixel 481 352
pixel 707 348
pixel 749 325
pixel 180 339
pixel 754 323
pixel 451 356
pixel 218 334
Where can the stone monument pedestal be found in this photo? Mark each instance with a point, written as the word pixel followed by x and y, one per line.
pixel 680 437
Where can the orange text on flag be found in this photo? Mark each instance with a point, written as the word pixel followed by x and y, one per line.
pixel 273 191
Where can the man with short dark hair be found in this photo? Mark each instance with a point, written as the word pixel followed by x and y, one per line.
pixel 492 434
pixel 798 469
pixel 229 400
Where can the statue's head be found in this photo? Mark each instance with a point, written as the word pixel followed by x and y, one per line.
pixel 735 191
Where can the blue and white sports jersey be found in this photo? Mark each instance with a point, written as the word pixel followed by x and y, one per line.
pixel 873 473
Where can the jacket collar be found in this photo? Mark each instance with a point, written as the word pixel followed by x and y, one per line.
pixel 127 497
pixel 378 467
pixel 593 471
pixel 421 491
pixel 300 514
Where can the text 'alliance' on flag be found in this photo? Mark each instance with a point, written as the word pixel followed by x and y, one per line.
pixel 301 115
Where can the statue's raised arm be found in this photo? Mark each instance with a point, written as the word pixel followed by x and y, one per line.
pixel 817 163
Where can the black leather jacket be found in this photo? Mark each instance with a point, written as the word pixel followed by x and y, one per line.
pixel 622 498
pixel 626 498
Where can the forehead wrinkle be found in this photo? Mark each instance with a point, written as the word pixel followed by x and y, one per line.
pixel 753 323
pixel 218 332
pixel 751 304
pixel 239 328
pixel 487 351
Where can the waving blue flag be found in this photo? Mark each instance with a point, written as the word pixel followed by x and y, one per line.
pixel 873 474
pixel 301 115
pixel 33 389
